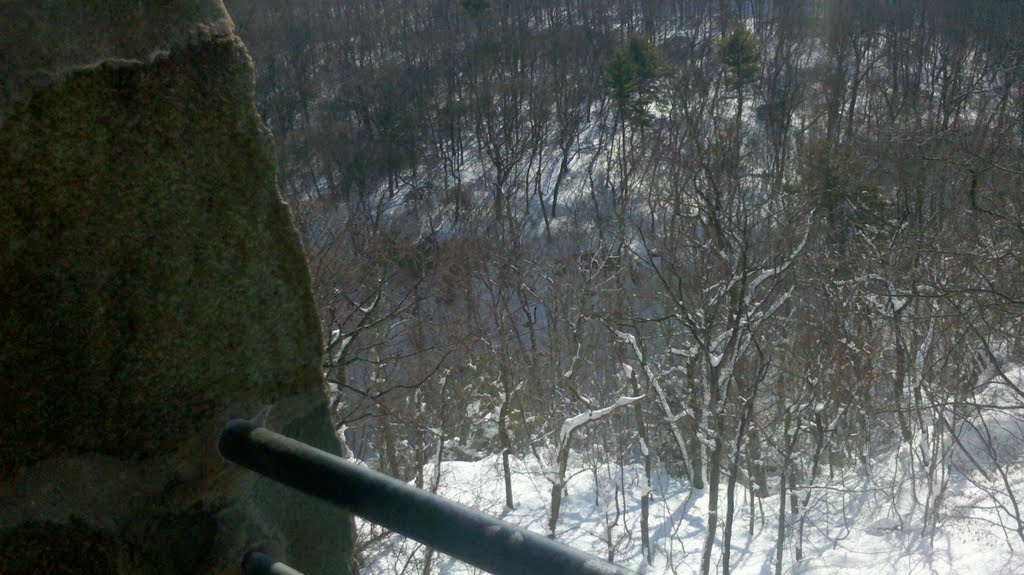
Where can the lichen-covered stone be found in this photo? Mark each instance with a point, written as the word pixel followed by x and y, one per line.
pixel 151 287
pixel 42 41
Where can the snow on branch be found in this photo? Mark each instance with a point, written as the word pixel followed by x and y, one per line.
pixel 573 423
pixel 781 268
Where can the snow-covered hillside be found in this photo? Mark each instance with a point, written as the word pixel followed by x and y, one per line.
pixel 869 520
pixel 855 525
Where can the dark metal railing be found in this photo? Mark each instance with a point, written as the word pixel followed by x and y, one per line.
pixel 464 533
pixel 256 563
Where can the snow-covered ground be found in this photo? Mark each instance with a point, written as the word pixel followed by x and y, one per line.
pixel 857 524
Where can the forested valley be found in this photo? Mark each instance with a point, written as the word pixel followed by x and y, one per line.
pixel 697 286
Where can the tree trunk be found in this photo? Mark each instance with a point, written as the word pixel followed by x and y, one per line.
pixel 714 475
pixel 506 442
pixel 780 539
pixel 730 510
pixel 645 499
pixel 899 385
pixel 558 485
pixel 794 508
pixel 389 464
pixel 730 497
pixel 714 468
pixel 697 449
pixel 819 448
pixel 758 475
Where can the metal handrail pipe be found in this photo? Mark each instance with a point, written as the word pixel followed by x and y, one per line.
pixel 459 531
pixel 256 563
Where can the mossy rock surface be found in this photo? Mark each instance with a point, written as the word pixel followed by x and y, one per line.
pixel 151 286
pixel 150 274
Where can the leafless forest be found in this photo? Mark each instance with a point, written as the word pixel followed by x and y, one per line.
pixel 752 245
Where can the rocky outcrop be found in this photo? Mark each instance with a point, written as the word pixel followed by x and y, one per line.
pixel 151 288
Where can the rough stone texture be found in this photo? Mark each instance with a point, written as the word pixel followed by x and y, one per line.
pixel 151 287
pixel 41 41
